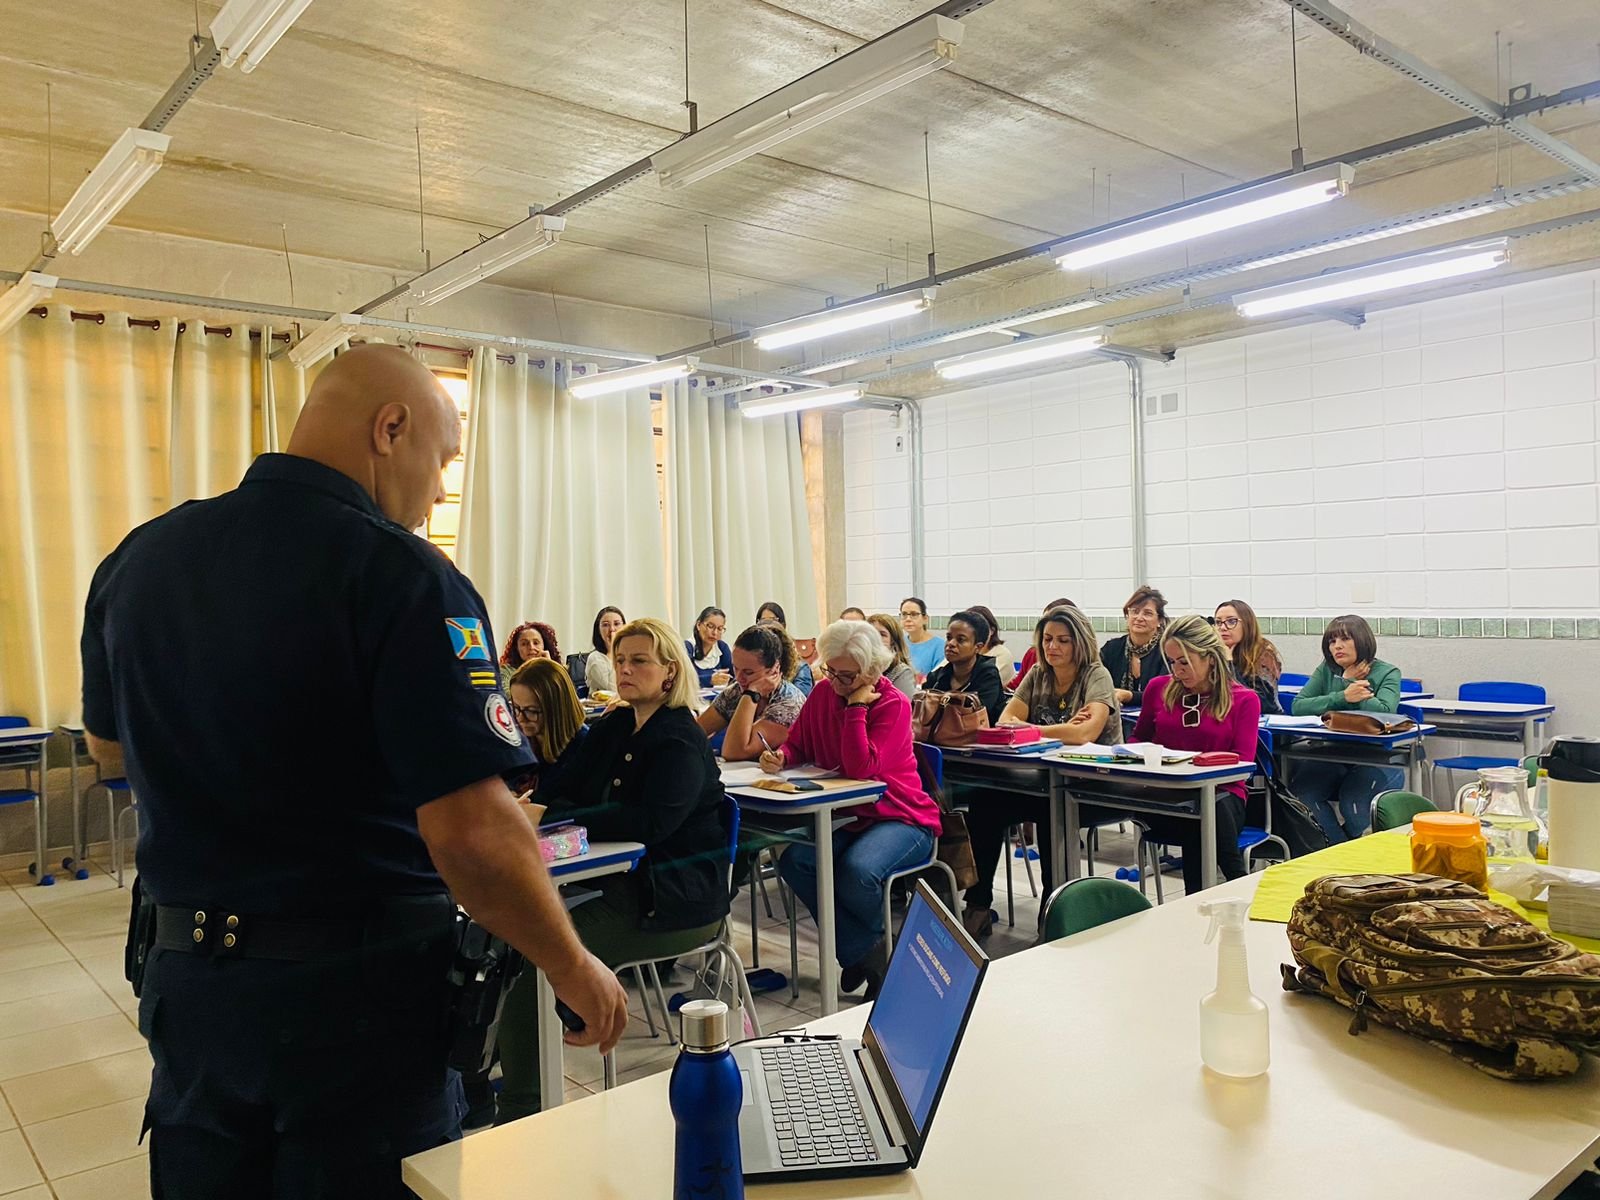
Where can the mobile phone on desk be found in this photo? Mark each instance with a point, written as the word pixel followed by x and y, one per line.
pixel 805 785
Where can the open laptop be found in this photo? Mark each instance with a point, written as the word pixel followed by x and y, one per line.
pixel 844 1107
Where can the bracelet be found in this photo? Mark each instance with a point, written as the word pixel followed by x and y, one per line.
pixel 858 705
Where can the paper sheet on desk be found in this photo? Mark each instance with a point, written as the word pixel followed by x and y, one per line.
pixel 1288 722
pixel 744 774
pixel 1128 752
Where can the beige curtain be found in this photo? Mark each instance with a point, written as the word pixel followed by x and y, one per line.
pixel 104 425
pixel 738 522
pixel 560 513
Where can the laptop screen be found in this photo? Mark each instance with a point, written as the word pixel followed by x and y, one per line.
pixel 922 1008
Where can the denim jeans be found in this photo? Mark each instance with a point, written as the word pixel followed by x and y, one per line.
pixel 1333 791
pixel 861 863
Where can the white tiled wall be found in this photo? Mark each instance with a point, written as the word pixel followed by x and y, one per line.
pixel 1440 460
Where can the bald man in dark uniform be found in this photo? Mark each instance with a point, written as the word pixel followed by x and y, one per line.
pixel 303 694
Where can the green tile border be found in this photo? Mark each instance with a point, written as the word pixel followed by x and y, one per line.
pixel 1583 629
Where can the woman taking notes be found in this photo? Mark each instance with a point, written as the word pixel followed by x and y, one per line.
pixel 860 727
pixel 1200 707
pixel 758 707
pixel 713 661
pixel 1255 660
pixel 1135 658
pixel 1350 675
pixel 546 708
pixel 598 675
pixel 643 774
pixel 1069 695
pixel 925 647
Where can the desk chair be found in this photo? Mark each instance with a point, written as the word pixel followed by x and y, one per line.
pixel 577 665
pixel 1394 808
pixel 719 950
pixel 26 760
pixel 114 787
pixel 1084 903
pixel 1492 692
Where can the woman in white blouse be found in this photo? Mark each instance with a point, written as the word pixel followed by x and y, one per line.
pixel 598 673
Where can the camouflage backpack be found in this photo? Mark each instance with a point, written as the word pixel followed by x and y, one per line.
pixel 1440 960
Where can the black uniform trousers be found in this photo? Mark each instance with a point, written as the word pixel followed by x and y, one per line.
pixel 301 1079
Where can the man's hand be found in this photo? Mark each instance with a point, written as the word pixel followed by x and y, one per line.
pixel 591 989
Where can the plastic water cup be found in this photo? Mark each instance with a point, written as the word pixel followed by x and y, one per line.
pixel 1152 756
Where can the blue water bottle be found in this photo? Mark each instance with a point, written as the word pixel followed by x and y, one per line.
pixel 706 1094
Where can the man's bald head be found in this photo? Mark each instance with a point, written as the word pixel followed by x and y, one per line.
pixel 379 416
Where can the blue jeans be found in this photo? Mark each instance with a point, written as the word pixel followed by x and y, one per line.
pixel 1323 786
pixel 861 863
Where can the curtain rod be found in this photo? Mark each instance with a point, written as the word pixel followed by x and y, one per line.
pixel 42 310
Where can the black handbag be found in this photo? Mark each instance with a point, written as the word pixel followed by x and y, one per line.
pixel 1293 821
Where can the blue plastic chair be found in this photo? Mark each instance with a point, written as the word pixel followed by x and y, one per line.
pixel 1488 692
pixel 1410 687
pixel 26 760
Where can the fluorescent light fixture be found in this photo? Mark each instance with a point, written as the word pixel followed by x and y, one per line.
pixel 1376 235
pixel 324 339
pixel 1022 354
pixel 21 296
pixel 878 311
pixel 824 368
pixel 1009 325
pixel 607 382
pixel 870 71
pixel 768 406
pixel 1203 218
pixel 1335 287
pixel 246 29
pixel 132 159
pixel 504 249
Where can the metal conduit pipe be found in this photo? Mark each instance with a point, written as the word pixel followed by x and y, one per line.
pixel 919 564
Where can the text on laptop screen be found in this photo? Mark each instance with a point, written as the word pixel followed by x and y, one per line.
pixel 919 1011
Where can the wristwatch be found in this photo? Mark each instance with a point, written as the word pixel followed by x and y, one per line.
pixel 754 695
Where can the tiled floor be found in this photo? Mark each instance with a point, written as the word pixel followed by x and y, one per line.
pixel 74 1070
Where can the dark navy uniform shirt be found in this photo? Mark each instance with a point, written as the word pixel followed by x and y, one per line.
pixel 291 675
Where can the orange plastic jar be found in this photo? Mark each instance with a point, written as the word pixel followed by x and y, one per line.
pixel 1450 845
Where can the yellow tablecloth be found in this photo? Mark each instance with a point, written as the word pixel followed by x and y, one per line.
pixel 1386 853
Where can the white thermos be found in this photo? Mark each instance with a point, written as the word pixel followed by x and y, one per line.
pixel 1573 764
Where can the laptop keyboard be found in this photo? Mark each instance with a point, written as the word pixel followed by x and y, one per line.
pixel 815 1111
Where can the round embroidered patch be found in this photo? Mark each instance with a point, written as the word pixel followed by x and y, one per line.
pixel 498 713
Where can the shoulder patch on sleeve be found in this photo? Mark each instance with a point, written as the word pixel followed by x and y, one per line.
pixel 467 638
pixel 498 714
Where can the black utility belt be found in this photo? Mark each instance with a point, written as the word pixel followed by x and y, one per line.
pixel 218 934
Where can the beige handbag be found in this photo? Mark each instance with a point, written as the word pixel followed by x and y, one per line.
pixel 948 718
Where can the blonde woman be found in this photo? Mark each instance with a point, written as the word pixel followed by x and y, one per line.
pixel 900 672
pixel 1201 706
pixel 547 710
pixel 644 773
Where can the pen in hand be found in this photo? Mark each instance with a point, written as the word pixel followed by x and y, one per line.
pixel 762 738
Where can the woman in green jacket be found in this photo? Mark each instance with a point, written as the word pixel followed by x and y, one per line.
pixel 1350 676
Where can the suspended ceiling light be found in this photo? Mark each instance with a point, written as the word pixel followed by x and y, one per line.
pixel 607 382
pixel 824 368
pixel 324 339
pixel 870 71
pixel 1008 326
pixel 768 406
pixel 878 311
pixel 1022 354
pixel 15 302
pixel 245 30
pixel 1412 270
pixel 1203 218
pixel 1375 235
pixel 504 249
pixel 126 167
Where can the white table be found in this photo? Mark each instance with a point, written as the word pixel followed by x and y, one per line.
pixel 30 737
pixel 1127 785
pixel 603 858
pixel 1294 740
pixel 819 807
pixel 1465 716
pixel 1089 1046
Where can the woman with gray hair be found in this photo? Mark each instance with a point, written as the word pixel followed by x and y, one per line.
pixel 861 727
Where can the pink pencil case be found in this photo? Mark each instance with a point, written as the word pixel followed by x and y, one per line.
pixel 567 842
pixel 1009 735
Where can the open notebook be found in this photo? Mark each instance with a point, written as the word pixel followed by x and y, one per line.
pixel 1122 752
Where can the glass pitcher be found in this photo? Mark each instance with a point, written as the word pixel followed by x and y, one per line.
pixel 1499 799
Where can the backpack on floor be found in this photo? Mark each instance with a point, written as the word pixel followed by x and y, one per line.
pixel 1440 960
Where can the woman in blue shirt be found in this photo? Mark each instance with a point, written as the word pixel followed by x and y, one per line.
pixel 926 647
pixel 707 651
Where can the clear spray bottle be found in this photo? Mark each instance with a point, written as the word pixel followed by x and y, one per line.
pixel 1233 1021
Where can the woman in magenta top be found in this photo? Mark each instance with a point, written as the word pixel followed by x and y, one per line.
pixel 860 727
pixel 1201 706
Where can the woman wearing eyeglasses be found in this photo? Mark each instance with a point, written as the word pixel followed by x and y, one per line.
pixel 1255 660
pixel 860 727
pixel 925 647
pixel 546 708
pixel 1200 706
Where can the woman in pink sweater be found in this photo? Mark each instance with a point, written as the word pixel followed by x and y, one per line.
pixel 860 727
pixel 1201 706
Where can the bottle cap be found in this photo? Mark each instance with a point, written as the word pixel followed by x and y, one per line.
pixel 705 1025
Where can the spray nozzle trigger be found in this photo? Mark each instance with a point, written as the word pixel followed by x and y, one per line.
pixel 1224 914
